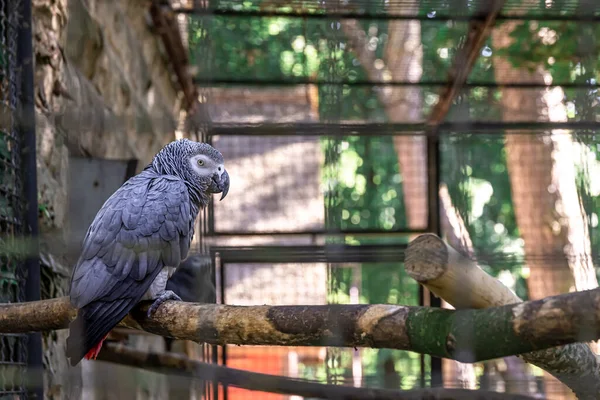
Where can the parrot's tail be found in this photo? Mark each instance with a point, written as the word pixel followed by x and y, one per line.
pixel 93 353
pixel 94 322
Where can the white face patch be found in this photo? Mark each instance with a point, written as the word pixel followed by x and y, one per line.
pixel 205 166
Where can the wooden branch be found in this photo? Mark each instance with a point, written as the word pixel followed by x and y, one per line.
pixel 165 24
pixel 479 31
pixel 463 335
pixel 462 283
pixel 452 276
pixel 175 364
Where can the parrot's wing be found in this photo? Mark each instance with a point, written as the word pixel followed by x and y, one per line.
pixel 144 226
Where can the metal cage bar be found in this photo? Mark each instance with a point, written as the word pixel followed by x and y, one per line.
pixel 295 81
pixel 19 273
pixel 393 129
pixel 230 13
pixel 28 159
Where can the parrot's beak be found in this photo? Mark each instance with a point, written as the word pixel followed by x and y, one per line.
pixel 224 184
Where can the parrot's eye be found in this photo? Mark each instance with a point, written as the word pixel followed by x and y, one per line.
pixel 201 163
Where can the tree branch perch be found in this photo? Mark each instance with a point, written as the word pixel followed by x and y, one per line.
pixel 463 335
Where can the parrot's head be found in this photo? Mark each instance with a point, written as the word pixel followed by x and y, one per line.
pixel 199 164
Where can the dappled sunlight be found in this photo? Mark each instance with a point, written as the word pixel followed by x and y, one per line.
pixel 276 189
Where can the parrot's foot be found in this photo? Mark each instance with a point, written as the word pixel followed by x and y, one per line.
pixel 162 297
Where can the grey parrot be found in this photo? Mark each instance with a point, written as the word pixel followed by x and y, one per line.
pixel 138 238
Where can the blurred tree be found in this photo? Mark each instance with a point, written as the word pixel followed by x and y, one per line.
pixel 543 179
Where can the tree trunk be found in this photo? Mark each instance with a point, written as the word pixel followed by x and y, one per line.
pixel 403 59
pixel 406 105
pixel 548 210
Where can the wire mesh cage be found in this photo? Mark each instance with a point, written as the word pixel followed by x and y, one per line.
pixel 286 275
pixel 13 348
pixel 328 116
pixel 324 113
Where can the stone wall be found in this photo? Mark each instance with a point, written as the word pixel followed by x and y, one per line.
pixel 105 89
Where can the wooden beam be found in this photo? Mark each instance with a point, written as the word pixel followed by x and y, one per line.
pixel 463 335
pixel 174 364
pixel 165 24
pixel 479 31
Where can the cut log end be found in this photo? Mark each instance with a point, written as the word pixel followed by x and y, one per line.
pixel 426 258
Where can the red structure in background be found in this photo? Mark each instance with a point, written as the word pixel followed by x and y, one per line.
pixel 268 360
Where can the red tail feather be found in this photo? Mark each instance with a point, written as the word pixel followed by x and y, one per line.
pixel 93 353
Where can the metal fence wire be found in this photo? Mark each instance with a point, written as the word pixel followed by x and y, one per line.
pixel 13 348
pixel 280 239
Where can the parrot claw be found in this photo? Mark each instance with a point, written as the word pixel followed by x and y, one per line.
pixel 162 297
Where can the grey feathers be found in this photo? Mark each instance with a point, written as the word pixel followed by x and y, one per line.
pixel 140 228
pixel 147 224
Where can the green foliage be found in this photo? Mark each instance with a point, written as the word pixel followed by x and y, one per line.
pixel 264 48
pixel 368 185
pixel 440 44
pixel 44 211
pixel 559 47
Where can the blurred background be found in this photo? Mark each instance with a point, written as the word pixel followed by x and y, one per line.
pixel 348 128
